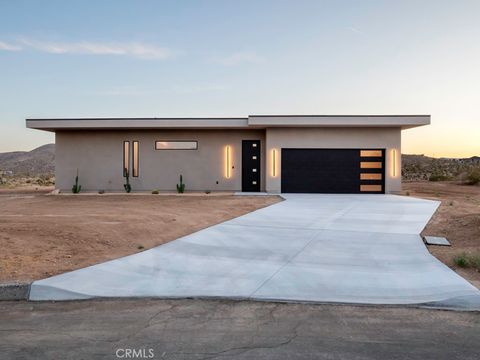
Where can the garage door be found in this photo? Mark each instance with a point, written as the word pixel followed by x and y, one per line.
pixel 347 171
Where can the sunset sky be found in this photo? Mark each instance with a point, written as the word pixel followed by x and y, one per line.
pixel 235 58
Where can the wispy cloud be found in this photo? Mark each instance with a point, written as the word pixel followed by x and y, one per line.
pixel 240 58
pixel 134 49
pixel 132 91
pixel 355 30
pixel 9 47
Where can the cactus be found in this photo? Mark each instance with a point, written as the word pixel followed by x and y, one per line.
pixel 76 188
pixel 127 185
pixel 181 186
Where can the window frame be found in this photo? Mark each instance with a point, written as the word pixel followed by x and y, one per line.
pixel 175 141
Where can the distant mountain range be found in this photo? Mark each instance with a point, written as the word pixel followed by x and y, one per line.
pixel 420 167
pixel 41 161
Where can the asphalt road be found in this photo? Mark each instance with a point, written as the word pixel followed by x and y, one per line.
pixel 203 329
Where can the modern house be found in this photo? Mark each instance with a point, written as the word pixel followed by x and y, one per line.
pixel 272 153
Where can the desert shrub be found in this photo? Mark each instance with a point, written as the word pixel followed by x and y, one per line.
pixel 155 192
pixel 465 260
pixel 473 177
pixel 474 261
pixel 438 177
pixel 76 188
pixel 101 192
pixel 181 186
pixel 461 260
pixel 127 186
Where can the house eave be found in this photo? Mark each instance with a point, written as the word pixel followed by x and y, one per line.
pixel 250 122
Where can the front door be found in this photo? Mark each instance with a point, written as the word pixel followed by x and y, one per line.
pixel 251 165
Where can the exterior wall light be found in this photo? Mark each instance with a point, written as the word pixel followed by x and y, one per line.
pixel 228 162
pixel 394 163
pixel 274 163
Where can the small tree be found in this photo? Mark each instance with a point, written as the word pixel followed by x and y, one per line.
pixel 76 187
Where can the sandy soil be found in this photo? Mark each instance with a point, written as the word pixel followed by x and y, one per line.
pixel 457 219
pixel 44 235
pixel 47 235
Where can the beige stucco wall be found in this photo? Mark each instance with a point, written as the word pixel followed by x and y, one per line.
pixel 98 157
pixel 363 138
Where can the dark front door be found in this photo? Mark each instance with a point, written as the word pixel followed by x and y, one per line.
pixel 251 165
pixel 333 171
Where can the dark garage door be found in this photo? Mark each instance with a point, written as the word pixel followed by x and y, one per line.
pixel 347 171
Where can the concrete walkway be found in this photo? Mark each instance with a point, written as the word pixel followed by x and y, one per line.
pixel 320 248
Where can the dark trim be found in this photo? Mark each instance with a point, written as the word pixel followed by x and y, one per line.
pixel 133 158
pixel 155 144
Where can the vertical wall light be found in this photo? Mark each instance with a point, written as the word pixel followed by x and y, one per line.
pixel 274 163
pixel 228 162
pixel 126 157
pixel 394 163
pixel 135 159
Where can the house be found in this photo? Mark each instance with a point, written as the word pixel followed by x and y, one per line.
pixel 272 153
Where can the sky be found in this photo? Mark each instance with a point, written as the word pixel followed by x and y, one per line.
pixel 238 58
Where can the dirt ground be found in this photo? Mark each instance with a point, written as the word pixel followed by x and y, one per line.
pixel 44 235
pixel 457 219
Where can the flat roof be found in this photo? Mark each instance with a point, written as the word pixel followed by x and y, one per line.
pixel 252 121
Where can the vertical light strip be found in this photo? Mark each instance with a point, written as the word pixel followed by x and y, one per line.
pixel 126 156
pixel 274 162
pixel 394 163
pixel 228 167
pixel 135 159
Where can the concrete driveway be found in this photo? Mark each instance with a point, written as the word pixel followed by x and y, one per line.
pixel 320 248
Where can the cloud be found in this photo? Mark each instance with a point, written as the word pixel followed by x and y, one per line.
pixel 9 47
pixel 134 49
pixel 240 58
pixel 355 30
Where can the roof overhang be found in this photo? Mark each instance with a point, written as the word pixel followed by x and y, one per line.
pixel 402 121
pixel 252 121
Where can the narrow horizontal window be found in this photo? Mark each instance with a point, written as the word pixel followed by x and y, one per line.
pixel 370 165
pixel 371 153
pixel 176 145
pixel 135 159
pixel 364 176
pixel 375 188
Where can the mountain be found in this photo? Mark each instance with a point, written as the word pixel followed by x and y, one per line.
pixel 421 167
pixel 40 161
